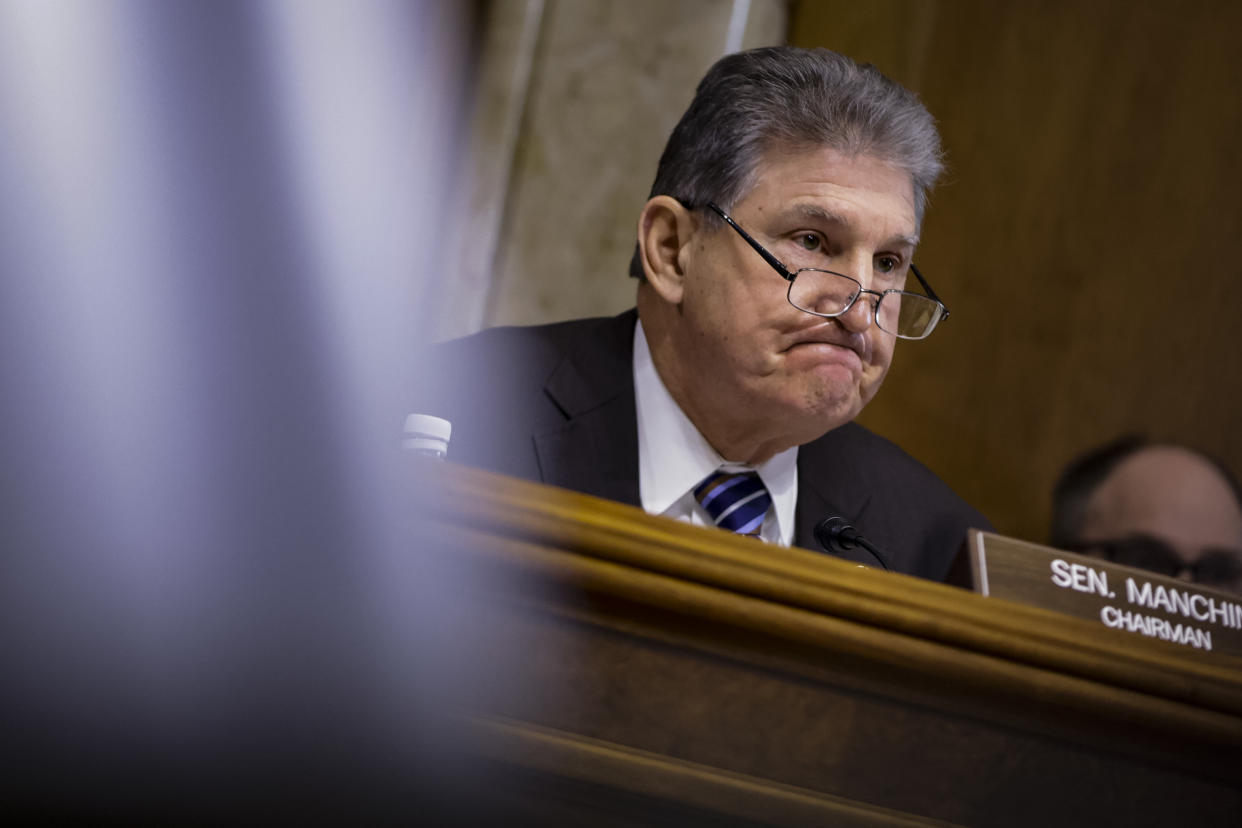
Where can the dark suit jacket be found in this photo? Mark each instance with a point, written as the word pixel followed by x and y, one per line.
pixel 555 403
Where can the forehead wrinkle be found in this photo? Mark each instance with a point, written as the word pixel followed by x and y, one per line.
pixel 816 212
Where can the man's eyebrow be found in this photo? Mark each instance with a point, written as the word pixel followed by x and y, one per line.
pixel 814 211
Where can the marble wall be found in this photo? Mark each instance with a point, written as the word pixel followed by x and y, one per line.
pixel 574 103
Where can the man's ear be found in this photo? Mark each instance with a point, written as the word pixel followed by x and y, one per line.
pixel 665 228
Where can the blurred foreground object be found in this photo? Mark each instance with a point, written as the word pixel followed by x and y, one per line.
pixel 213 227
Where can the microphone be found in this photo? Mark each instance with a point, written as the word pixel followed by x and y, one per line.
pixel 838 536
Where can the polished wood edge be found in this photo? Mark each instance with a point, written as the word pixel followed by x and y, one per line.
pixel 660 777
pixel 980 685
pixel 596 528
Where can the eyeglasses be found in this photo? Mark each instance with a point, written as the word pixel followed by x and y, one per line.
pixel 1213 567
pixel 825 293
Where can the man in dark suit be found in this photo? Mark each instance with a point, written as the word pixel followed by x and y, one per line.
pixel 772 259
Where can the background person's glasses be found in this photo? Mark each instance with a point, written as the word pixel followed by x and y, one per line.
pixel 828 294
pixel 1213 567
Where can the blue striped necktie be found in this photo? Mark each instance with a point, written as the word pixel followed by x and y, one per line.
pixel 736 501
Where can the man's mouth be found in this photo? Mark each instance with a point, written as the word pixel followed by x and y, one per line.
pixel 830 335
pixel 816 355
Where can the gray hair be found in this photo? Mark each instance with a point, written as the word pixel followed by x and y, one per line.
pixel 752 101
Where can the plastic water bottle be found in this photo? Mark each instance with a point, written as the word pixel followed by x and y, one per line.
pixel 427 436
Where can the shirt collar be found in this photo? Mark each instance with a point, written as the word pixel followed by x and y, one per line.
pixel 673 456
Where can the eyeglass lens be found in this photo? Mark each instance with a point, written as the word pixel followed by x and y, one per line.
pixel 828 294
pixel 1213 566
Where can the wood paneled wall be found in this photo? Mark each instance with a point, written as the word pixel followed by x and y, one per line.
pixel 1084 238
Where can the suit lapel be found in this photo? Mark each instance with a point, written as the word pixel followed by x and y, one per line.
pixel 828 486
pixel 596 450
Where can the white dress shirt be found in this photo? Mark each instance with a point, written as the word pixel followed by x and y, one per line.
pixel 673 458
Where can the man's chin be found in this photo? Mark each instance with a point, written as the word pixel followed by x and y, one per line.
pixel 825 410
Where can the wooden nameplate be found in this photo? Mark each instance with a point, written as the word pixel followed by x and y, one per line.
pixel 1119 597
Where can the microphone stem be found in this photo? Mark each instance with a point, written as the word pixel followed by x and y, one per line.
pixel 866 544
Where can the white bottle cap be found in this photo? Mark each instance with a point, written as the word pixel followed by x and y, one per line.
pixel 424 432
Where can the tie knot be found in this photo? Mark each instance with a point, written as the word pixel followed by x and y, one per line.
pixel 736 501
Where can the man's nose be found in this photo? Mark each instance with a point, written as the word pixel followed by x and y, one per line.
pixel 860 315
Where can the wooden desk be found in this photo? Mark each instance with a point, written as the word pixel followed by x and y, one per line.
pixel 625 669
